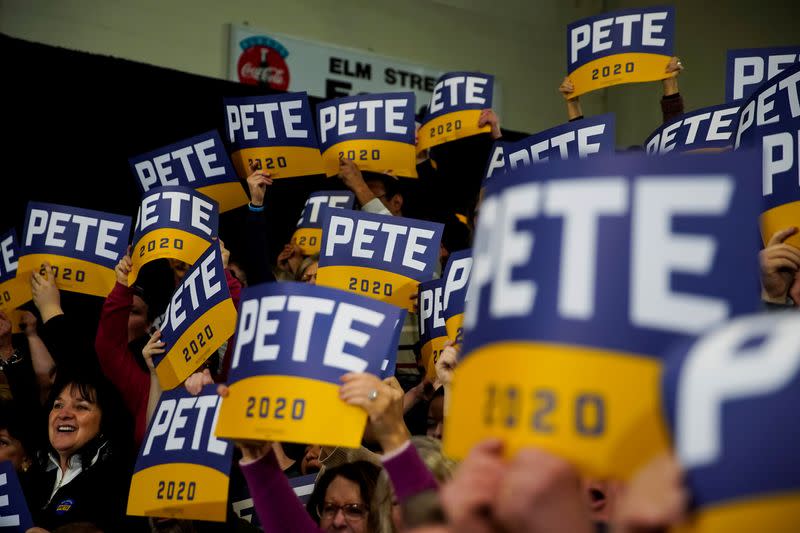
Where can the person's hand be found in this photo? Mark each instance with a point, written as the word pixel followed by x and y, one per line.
pixel 123 268
pixel 28 323
pixel 351 176
pixel 195 383
pixel 655 498
pixel 257 182
pixel 290 258
pixel 224 253
pixel 154 346
pixel 567 88
pixel 674 67
pixel 446 364
pixel 780 263
pixel 385 409
pixel 423 391
pixel 467 498
pixel 488 116
pixel 414 298
pixel 45 293
pixel 541 492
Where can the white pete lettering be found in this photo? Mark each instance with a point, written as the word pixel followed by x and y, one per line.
pixel 788 146
pixel 205 277
pixel 562 146
pixel 457 278
pixel 287 113
pixel 599 31
pixel 342 231
pixel 757 111
pixel 755 64
pixel 172 416
pixel 159 169
pixel 182 206
pixel 656 251
pixel 9 262
pixel 718 370
pixel 53 224
pixel 256 324
pixel 343 117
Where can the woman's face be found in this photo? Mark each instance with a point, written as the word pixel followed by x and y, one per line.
pixel 137 319
pixel 11 450
pixel 310 463
pixel 342 500
pixel 74 421
pixel 436 417
pixel 310 275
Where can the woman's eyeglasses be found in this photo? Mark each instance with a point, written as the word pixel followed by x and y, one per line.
pixel 352 511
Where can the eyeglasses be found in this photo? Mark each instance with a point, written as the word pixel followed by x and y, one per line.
pixel 352 511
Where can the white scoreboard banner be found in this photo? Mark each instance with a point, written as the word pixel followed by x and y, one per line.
pixel 287 63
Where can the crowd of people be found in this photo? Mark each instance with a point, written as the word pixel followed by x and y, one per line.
pixel 74 413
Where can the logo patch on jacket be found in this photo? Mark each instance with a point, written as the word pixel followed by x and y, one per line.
pixel 64 506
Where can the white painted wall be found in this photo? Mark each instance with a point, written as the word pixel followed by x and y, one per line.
pixel 522 42
pixel 519 41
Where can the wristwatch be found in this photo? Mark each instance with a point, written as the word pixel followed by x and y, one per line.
pixel 13 359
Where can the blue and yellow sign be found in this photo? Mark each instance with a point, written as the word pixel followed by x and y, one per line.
pixel 183 469
pixel 389 364
pixel 496 165
pixel 308 235
pixel 627 46
pixel 769 121
pixel 456 277
pixel 729 399
pixel 455 108
pixel 432 328
pixel 294 341
pixel 14 514
pixel 199 319
pixel 747 68
pixel 173 222
pixel 574 140
pixel 378 256
pixel 376 131
pixel 14 290
pixel 582 272
pixel 273 133
pixel 199 162
pixel 83 246
pixel 707 129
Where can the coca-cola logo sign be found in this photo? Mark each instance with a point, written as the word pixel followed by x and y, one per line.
pixel 262 62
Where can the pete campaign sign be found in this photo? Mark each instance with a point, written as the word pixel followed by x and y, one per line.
pixel 379 256
pixel 769 121
pixel 14 514
pixel 199 319
pixel 632 45
pixel 496 165
pixel 432 330
pixel 374 130
pixel 582 271
pixel 706 129
pixel 82 245
pixel 183 469
pixel 273 133
pixel 294 341
pixel 173 222
pixel 576 139
pixel 728 398
pixel 455 108
pixel 308 235
pixel 747 68
pixel 14 291
pixel 199 162
pixel 456 276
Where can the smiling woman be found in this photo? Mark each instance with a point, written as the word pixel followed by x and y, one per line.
pixel 86 474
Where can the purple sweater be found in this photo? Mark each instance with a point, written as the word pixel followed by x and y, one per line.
pixel 279 509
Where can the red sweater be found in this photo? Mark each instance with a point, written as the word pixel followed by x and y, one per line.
pixel 119 364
